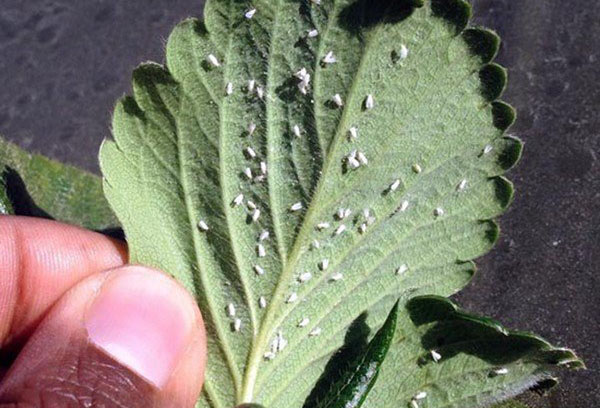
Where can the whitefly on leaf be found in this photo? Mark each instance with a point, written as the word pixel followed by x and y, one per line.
pixel 406 90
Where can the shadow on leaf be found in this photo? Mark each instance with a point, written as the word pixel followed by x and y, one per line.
pixel 364 14
pixel 21 200
pixel 452 332
pixel 355 345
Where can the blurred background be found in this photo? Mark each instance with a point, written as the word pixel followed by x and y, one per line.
pixel 63 64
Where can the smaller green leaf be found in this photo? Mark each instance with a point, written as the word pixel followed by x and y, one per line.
pixel 351 390
pixel 34 185
pixel 6 206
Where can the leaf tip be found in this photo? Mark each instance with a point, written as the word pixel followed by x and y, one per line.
pixel 482 42
pixel 493 79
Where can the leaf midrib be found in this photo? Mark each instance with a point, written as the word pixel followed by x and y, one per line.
pixel 262 339
pixel 287 270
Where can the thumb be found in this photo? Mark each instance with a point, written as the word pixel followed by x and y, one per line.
pixel 129 337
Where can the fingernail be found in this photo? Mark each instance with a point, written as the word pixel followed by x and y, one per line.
pixel 143 320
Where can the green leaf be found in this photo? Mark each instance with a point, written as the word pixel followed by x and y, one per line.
pixel 6 207
pixel 458 359
pixel 343 243
pixel 34 185
pixel 356 381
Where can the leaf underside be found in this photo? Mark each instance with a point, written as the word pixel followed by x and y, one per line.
pixel 431 151
pixel 33 185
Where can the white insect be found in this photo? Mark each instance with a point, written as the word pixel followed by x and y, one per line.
pixel 260 250
pixel 366 212
pixel 339 230
pixel 317 2
pixel 401 269
pixel 501 371
pixel 343 213
pixel 312 33
pixel 301 74
pixel 316 244
pixel 255 215
pixel 250 13
pixel 462 185
pixel 436 356
pixel 337 99
pixel 322 226
pixel 438 212
pixel 264 235
pixel 237 325
pixel 369 102
pixel 417 168
pixel 487 149
pixel 403 52
pixel 304 80
pixel 403 206
pixel 250 152
pixel 420 395
pixel 296 206
pixel 229 88
pixel 213 60
pixel 362 228
pixel 279 343
pixel 260 92
pixel 303 88
pixel 248 173
pixel 304 322
pixel 251 85
pixel 251 205
pixel 315 332
pixel 259 270
pixel 292 298
pixel 337 277
pixel 324 264
pixel 305 277
pixel 353 133
pixel 251 128
pixel 329 58
pixel 263 167
pixel 394 186
pixel 362 158
pixel 352 162
pixel 297 131
pixel 238 200
pixel 262 302
pixel 269 355
pixel 231 310
pixel 202 225
pixel 414 404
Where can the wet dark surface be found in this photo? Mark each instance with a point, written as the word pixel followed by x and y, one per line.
pixel 63 63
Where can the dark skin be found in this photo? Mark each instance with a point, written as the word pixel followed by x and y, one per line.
pixel 80 328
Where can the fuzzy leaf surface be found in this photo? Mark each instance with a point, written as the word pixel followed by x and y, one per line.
pixel 199 175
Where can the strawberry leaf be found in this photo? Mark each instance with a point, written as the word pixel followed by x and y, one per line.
pixel 300 166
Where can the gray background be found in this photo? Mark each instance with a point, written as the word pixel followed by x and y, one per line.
pixel 64 63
